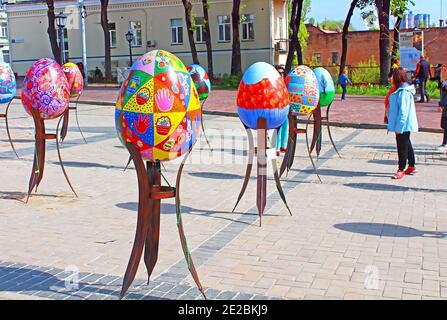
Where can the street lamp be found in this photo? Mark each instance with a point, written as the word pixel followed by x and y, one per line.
pixel 129 38
pixel 61 22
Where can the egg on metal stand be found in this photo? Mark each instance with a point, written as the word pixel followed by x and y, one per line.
pixel 263 104
pixel 45 96
pixel 8 90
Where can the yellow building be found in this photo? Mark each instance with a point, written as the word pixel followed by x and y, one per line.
pixel 156 24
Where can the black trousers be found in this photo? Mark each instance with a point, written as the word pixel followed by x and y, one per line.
pixel 444 138
pixel 405 151
pixel 343 93
pixel 424 93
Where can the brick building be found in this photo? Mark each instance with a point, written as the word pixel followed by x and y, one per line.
pixel 324 47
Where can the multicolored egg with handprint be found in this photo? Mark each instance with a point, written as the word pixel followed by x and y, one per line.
pixel 8 86
pixel 325 86
pixel 74 78
pixel 303 90
pixel 201 80
pixel 158 107
pixel 45 89
pixel 262 93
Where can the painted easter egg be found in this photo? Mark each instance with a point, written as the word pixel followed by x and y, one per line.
pixel 7 83
pixel 262 93
pixel 74 78
pixel 303 90
pixel 45 88
pixel 325 86
pixel 201 80
pixel 158 107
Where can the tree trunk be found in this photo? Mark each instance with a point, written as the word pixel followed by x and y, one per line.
pixel 396 38
pixel 344 41
pixel 107 51
pixel 209 48
pixel 188 17
pixel 294 45
pixel 383 12
pixel 236 64
pixel 52 31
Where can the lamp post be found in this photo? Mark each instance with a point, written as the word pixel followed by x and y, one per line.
pixel 129 38
pixel 61 21
pixel 83 16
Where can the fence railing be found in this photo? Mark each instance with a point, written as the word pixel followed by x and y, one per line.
pixel 357 74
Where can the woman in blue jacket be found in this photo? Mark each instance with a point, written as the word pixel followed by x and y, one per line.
pixel 402 120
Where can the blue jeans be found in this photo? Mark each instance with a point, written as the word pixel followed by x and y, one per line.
pixel 343 94
pixel 282 135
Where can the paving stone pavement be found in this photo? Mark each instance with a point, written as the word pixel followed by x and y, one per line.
pixel 357 235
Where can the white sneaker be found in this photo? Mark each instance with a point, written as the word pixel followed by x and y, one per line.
pixel 442 147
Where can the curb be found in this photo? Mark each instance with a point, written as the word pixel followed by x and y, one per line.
pixel 368 126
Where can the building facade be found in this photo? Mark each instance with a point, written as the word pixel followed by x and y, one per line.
pixel 156 25
pixel 4 43
pixel 324 48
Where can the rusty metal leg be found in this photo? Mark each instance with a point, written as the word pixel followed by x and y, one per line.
pixel 203 125
pixel 128 163
pixel 142 221
pixel 329 130
pixel 153 235
pixel 181 231
pixel 77 120
pixel 291 147
pixel 309 152
pixel 60 158
pixel 7 130
pixel 249 165
pixel 276 175
pixel 66 119
pixel 39 153
pixel 261 194
pixel 317 132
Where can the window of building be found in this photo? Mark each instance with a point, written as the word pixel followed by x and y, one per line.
pixel 4 30
pixel 66 51
pixel 281 27
pixel 6 57
pixel 176 31
pixel 334 57
pixel 112 32
pixel 248 26
pixel 224 27
pixel 135 28
pixel 200 30
pixel 317 57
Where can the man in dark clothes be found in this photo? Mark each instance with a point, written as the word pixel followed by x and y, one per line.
pixel 422 74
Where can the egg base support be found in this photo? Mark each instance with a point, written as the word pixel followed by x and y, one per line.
pixel 317 138
pixel 203 125
pixel 261 152
pixel 147 234
pixel 39 153
pixel 66 118
pixel 5 116
pixel 289 157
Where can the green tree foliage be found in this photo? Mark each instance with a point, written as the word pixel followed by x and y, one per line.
pixel 335 25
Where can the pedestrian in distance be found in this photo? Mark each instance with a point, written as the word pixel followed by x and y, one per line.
pixel 443 105
pixel 343 80
pixel 282 135
pixel 422 74
pixel 402 120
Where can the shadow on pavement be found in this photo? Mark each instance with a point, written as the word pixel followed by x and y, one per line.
pixel 342 173
pixel 389 187
pixel 76 164
pixel 388 230
pixel 215 175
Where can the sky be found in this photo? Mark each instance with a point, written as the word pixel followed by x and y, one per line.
pixel 337 10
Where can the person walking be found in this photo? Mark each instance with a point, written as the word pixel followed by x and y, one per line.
pixel 343 80
pixel 422 74
pixel 443 105
pixel 402 120
pixel 282 135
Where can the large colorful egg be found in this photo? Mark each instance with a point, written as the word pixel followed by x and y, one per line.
pixel 45 88
pixel 7 83
pixel 74 78
pixel 201 81
pixel 262 94
pixel 158 107
pixel 303 90
pixel 325 86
